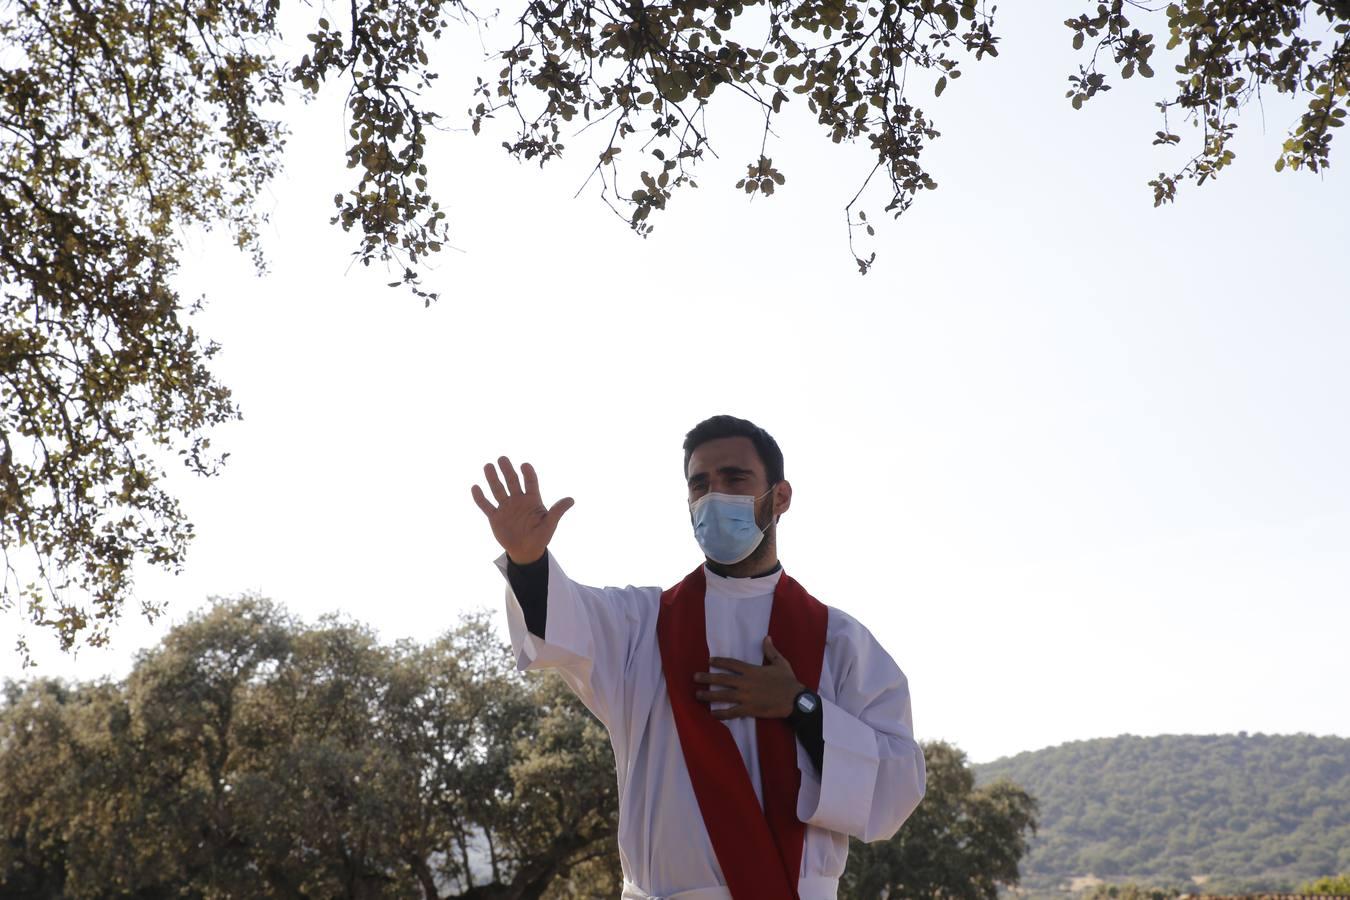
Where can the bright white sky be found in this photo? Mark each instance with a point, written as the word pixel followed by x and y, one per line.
pixel 1078 462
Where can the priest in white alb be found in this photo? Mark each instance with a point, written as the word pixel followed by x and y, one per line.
pixel 755 729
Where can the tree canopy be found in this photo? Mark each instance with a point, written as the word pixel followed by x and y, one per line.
pixel 962 843
pixel 124 122
pixel 1229 50
pixel 1328 885
pixel 249 756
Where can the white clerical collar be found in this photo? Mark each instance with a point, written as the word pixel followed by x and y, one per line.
pixel 741 587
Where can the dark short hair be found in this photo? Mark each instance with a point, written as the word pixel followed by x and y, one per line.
pixel 730 426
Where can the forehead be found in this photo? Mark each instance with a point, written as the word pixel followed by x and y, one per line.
pixel 728 451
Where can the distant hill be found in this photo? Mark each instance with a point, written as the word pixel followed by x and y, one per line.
pixel 1248 812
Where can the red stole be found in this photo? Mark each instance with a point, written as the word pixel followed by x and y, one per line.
pixel 760 851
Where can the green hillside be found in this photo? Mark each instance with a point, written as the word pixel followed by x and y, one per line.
pixel 1249 811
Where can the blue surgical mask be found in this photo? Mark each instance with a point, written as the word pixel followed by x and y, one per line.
pixel 725 527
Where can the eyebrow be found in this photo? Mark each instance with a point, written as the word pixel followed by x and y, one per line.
pixel 722 470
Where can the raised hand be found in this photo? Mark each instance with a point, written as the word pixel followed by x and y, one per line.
pixel 520 521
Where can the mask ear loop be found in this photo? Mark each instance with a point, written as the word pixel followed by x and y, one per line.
pixel 773 518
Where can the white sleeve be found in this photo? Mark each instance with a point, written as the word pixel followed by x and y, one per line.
pixel 588 635
pixel 873 774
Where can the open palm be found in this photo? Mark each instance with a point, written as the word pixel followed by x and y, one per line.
pixel 520 521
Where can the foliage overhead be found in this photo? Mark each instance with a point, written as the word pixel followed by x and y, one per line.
pixel 1251 812
pixel 649 70
pixel 124 122
pixel 1229 51
pixel 119 125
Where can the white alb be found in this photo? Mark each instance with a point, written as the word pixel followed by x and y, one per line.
pixel 603 643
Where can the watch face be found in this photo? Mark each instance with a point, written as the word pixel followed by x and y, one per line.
pixel 807 703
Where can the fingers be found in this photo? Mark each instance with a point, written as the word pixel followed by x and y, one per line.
pixel 494 483
pixel 770 651
pixel 509 473
pixel 724 696
pixel 773 658
pixel 482 501
pixel 555 512
pixel 531 479
pixel 731 665
pixel 714 678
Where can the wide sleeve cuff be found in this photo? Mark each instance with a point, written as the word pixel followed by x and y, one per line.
pixel 840 797
pixel 567 636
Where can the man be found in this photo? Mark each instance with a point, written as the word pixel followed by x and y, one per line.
pixel 754 728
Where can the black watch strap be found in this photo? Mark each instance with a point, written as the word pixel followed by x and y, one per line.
pixel 809 727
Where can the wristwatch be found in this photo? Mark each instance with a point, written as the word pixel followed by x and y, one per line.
pixel 804 705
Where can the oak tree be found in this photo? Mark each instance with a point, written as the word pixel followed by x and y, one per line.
pixel 962 843
pixel 251 756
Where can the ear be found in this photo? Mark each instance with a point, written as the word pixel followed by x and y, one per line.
pixel 782 497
